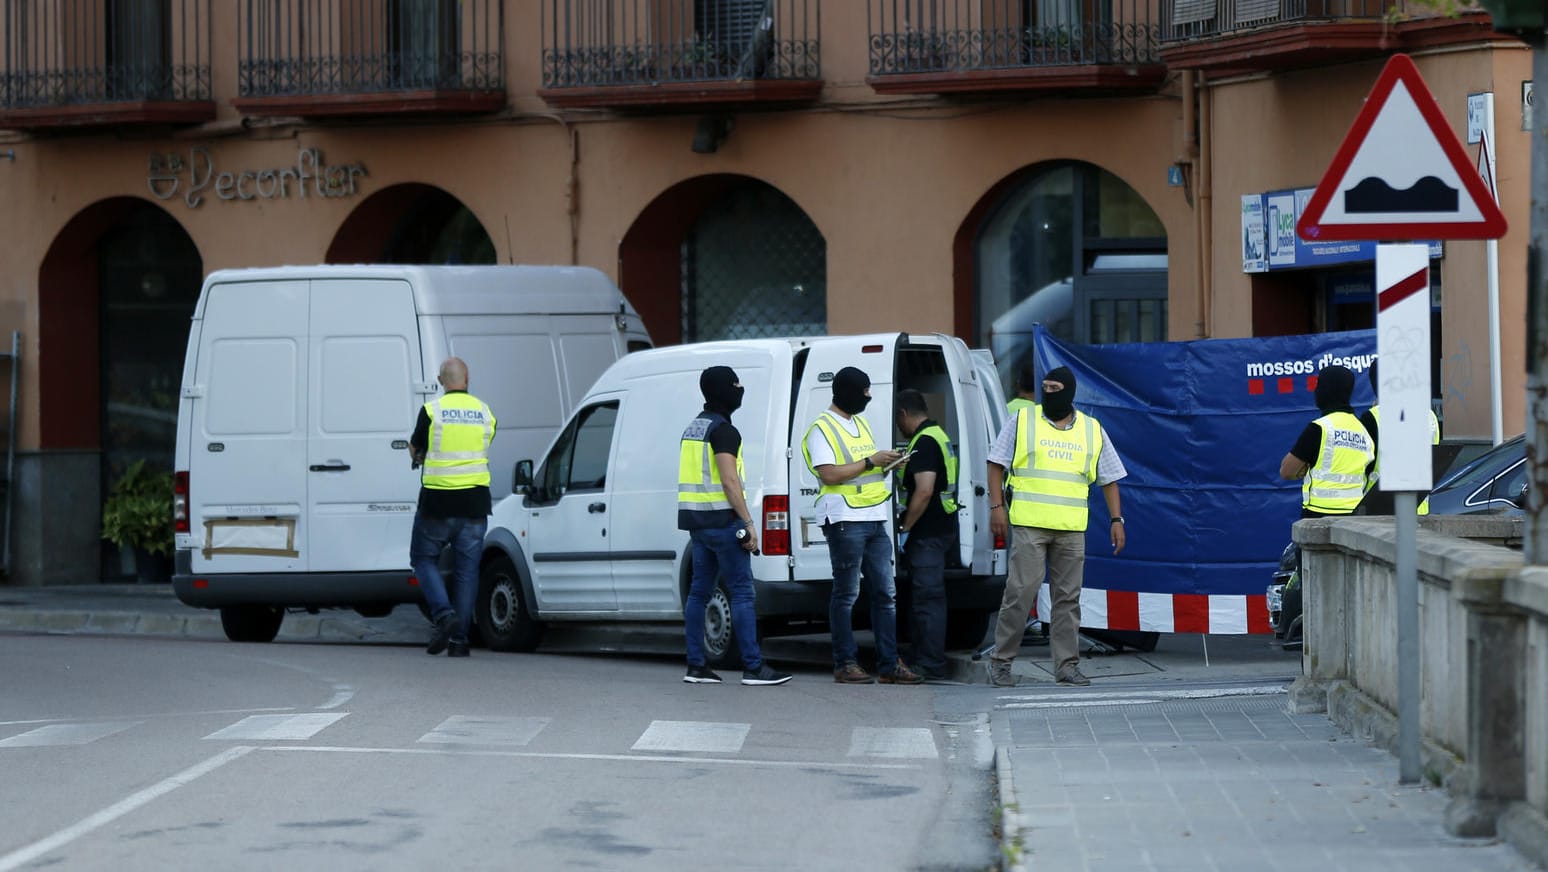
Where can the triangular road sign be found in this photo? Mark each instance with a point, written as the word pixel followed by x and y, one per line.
pixel 1401 173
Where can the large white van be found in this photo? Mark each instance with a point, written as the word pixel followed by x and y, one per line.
pixel 591 532
pixel 300 390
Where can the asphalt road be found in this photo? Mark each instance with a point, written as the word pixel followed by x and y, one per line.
pixel 138 753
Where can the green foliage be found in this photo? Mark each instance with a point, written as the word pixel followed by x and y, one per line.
pixel 138 511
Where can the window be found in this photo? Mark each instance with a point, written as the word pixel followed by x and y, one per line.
pixel 578 460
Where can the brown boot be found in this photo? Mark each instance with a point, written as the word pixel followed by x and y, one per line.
pixel 901 675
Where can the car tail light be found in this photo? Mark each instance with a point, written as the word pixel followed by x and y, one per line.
pixel 776 525
pixel 180 502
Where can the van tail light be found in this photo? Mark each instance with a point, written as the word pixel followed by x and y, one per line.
pixel 776 525
pixel 999 542
pixel 180 502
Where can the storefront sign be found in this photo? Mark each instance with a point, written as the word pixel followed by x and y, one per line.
pixel 1270 243
pixel 196 176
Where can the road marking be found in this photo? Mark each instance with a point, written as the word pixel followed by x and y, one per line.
pixel 23 856
pixel 342 693
pixel 244 711
pixel 1153 694
pixel 910 742
pixel 638 758
pixel 67 734
pixel 705 737
pixel 291 728
pixel 460 730
pixel 1072 704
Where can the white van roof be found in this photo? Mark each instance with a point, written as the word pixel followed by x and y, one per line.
pixel 464 290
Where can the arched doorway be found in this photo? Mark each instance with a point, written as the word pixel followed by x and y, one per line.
pixel 1068 245
pixel 412 224
pixel 725 257
pixel 116 293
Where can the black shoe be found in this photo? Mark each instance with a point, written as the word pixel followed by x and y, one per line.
pixel 457 649
pixel 763 675
pixel 700 675
pixel 442 635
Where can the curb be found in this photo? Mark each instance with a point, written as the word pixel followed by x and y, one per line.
pixel 1013 848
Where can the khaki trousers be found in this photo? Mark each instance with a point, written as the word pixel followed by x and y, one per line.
pixel 1062 553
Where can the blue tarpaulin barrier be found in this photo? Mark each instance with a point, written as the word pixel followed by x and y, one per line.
pixel 1201 427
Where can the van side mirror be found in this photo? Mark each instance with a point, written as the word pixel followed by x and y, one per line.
pixel 521 478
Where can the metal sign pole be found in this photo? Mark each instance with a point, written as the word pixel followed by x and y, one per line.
pixel 1406 506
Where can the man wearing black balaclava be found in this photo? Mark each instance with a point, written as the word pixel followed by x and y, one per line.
pixel 852 506
pixel 1334 453
pixel 1053 454
pixel 713 509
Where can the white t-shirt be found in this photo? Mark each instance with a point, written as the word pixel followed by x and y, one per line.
pixel 831 507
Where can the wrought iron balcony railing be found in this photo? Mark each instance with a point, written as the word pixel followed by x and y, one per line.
pixel 61 54
pixel 912 37
pixel 607 43
pixel 1194 19
pixel 326 48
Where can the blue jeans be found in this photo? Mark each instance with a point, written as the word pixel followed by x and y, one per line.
pixel 856 548
pixel 717 553
pixel 466 538
pixel 927 578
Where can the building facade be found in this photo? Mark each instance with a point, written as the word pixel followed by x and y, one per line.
pixel 740 167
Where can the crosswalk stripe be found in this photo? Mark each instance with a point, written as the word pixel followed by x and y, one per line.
pixel 461 730
pixel 700 736
pixel 288 728
pixel 67 734
pixel 915 743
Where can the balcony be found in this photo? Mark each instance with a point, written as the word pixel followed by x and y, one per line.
pixel 984 46
pixel 95 63
pixel 339 58
pixel 655 54
pixel 1250 36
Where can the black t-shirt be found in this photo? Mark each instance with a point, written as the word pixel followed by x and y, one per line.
pixel 1308 445
pixel 928 458
pixel 468 502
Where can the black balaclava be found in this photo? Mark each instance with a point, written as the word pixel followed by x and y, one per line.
pixel 849 390
pixel 1335 385
pixel 721 392
pixel 1057 405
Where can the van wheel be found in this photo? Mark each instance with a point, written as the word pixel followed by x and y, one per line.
pixel 251 623
pixel 966 628
pixel 721 650
pixel 504 621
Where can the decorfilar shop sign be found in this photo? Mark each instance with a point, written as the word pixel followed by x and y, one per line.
pixel 196 176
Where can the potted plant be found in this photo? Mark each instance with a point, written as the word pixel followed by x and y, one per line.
pixel 138 517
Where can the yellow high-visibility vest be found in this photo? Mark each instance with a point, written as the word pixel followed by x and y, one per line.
pixel 1424 506
pixel 699 487
pixel 1335 484
pixel 457 457
pixel 1052 471
pixel 870 487
pixel 1017 404
pixel 949 495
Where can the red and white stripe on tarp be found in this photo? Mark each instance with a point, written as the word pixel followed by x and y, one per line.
pixel 1168 612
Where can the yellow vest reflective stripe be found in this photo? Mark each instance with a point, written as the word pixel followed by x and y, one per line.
pixel 949 495
pixel 699 488
pixel 1017 404
pixel 867 489
pixel 461 428
pixel 1424 505
pixel 1052 471
pixel 1335 484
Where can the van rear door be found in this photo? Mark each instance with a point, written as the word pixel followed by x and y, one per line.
pixel 980 410
pixel 365 366
pixel 247 437
pixel 875 355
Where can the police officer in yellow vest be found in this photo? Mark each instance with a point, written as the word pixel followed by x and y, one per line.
pixel 713 509
pixel 1334 454
pixel 451 442
pixel 928 528
pixel 1026 388
pixel 1378 502
pixel 1053 454
pixel 852 506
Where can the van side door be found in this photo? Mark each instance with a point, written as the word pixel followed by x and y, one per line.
pixel 365 365
pixel 569 518
pixel 874 355
pixel 247 435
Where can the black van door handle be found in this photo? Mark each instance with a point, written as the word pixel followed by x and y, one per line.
pixel 330 467
pixel 596 508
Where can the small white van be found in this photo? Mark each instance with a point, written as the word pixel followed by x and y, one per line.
pixel 591 532
pixel 294 487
